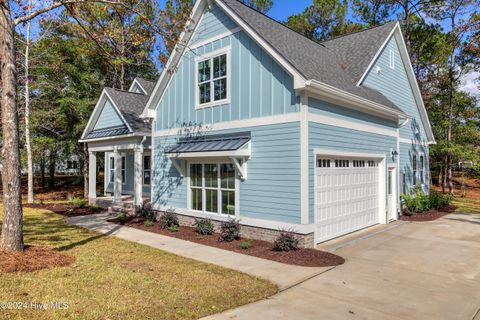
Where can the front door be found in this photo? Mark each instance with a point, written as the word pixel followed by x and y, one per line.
pixel 392 193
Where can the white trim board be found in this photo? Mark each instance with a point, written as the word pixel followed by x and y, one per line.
pixel 409 141
pixel 304 155
pixel 135 81
pixel 215 38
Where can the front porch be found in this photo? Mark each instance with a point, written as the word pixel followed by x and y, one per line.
pixel 105 202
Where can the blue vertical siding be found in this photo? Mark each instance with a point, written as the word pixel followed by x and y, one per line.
pixel 394 84
pixel 323 136
pixel 213 23
pixel 259 86
pixel 109 117
pixel 272 190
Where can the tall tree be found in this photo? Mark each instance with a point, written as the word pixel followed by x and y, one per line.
pixel 260 5
pixel 373 12
pixel 28 145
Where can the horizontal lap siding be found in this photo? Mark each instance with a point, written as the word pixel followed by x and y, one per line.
pixel 407 151
pixel 343 139
pixel 272 190
pixel 394 84
pixel 108 117
pixel 259 86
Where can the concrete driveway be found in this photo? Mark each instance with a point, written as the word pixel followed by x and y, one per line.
pixel 427 270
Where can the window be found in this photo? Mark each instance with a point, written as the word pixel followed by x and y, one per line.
pixel 414 166
pixel 342 163
pixel 389 183
pixel 323 163
pixel 421 167
pixel 212 80
pixel 212 188
pixel 404 183
pixel 392 59
pixel 147 169
pixel 111 166
pixel 359 163
pixel 372 163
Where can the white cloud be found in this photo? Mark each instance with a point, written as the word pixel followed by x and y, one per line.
pixel 470 83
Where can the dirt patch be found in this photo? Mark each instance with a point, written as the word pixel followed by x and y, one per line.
pixel 32 259
pixel 65 209
pixel 258 248
pixel 429 215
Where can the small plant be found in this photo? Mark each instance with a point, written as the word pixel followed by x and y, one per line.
pixel 438 200
pixel 148 223
pixel 168 219
pixel 173 228
pixel 230 230
pixel 286 241
pixel 417 202
pixel 204 226
pixel 122 217
pixel 79 202
pixel 146 212
pixel 95 208
pixel 246 244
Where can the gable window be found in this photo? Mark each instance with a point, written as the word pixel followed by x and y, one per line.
pixel 212 79
pixel 212 188
pixel 414 169
pixel 111 166
pixel 421 168
pixel 392 59
pixel 147 169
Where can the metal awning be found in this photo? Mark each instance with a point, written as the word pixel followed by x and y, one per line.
pixel 235 146
pixel 107 132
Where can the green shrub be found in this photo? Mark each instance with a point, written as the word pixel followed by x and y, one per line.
pixel 204 226
pixel 417 202
pixel 168 219
pixel 174 228
pixel 95 208
pixel 148 223
pixel 122 216
pixel 230 230
pixel 146 212
pixel 246 244
pixel 79 202
pixel 438 200
pixel 286 241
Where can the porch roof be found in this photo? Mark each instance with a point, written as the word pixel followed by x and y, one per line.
pixel 212 143
pixel 107 132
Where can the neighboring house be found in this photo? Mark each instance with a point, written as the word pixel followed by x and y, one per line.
pixel 251 120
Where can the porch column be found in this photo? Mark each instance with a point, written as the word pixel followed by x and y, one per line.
pixel 92 175
pixel 138 170
pixel 117 180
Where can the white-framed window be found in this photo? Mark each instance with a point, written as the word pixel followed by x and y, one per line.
pixel 111 166
pixel 392 59
pixel 212 78
pixel 323 163
pixel 147 169
pixel 421 168
pixel 414 169
pixel 358 163
pixel 212 188
pixel 372 163
pixel 342 163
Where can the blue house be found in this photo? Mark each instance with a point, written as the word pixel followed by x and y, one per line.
pixel 251 120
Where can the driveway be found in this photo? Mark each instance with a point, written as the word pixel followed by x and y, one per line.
pixel 428 270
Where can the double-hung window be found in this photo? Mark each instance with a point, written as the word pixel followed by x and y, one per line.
pixel 414 169
pixel 147 169
pixel 212 188
pixel 111 166
pixel 421 167
pixel 212 80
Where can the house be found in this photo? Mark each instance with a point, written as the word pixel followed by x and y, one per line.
pixel 251 120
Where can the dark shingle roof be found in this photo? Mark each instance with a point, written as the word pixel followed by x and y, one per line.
pixel 314 60
pixel 147 85
pixel 131 106
pixel 223 142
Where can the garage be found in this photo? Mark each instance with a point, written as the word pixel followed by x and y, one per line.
pixel 347 193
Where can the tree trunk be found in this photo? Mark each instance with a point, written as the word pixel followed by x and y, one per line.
pixel 12 228
pixel 42 170
pixel 85 171
pixel 51 167
pixel 28 145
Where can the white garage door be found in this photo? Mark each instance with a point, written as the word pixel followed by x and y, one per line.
pixel 347 196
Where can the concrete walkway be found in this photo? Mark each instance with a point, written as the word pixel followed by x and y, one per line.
pixel 428 270
pixel 283 275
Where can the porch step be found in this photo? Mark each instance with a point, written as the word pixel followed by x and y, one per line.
pixel 116 209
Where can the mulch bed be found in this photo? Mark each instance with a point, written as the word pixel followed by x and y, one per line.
pixel 258 248
pixel 65 209
pixel 33 258
pixel 429 215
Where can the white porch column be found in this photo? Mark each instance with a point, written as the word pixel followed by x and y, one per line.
pixel 92 175
pixel 117 180
pixel 138 170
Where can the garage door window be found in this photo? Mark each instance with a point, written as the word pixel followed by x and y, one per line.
pixel 342 163
pixel 323 163
pixel 358 163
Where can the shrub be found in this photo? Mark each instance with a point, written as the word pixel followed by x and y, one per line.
pixel 79 202
pixel 95 208
pixel 173 228
pixel 168 219
pixel 148 223
pixel 438 200
pixel 230 230
pixel 122 217
pixel 204 226
pixel 417 202
pixel 146 212
pixel 246 244
pixel 286 241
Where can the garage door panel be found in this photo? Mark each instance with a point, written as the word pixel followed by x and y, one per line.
pixel 347 197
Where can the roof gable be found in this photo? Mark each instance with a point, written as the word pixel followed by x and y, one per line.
pixel 108 117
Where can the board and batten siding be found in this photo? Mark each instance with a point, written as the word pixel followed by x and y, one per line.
pixel 272 190
pixel 109 117
pixel 323 136
pixel 394 84
pixel 259 86
pixel 214 22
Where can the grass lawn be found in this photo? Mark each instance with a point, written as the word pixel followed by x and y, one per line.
pixel 467 205
pixel 118 279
